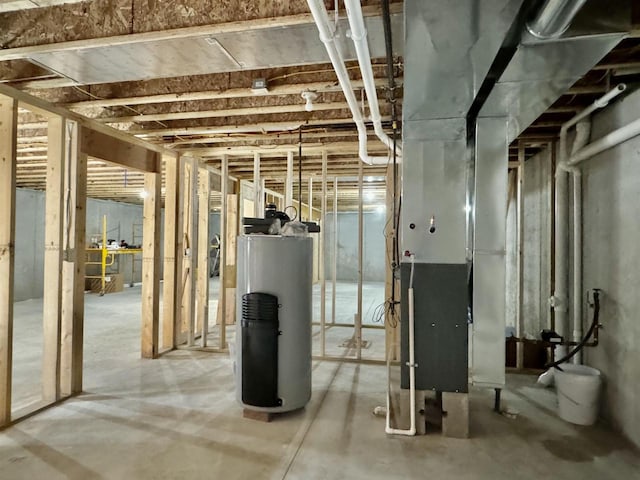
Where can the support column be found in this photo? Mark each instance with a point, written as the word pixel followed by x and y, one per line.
pixel 172 272
pixel 204 192
pixel 258 194
pixel 358 326
pixel 335 250
pixel 310 200
pixel 190 250
pixel 8 133
pixel 288 189
pixel 222 302
pixel 52 297
pixel 73 265
pixel 323 243
pixel 520 258
pixel 151 265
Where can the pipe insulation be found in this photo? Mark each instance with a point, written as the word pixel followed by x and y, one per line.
pixel 327 36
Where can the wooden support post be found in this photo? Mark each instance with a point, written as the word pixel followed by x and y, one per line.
pixel 258 196
pixel 52 297
pixel 230 266
pixel 8 134
pixel 310 200
pixel 335 250
pixel 73 264
pixel 204 191
pixel 358 325
pixel 520 257
pixel 323 242
pixel 172 251
pixel 391 323
pixel 151 265
pixel 288 188
pixel 190 250
pixel 222 301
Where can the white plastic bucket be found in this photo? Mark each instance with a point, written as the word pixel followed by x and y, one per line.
pixel 578 388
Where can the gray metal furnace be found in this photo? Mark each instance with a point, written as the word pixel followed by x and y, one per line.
pixel 273 326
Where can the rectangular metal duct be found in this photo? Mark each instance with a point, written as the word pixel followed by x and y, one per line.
pixel 449 49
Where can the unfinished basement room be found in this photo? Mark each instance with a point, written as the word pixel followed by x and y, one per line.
pixel 319 239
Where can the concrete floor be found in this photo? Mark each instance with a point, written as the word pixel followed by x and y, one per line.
pixel 176 418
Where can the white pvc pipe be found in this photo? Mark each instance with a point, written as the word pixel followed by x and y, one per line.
pixel 327 36
pixel 359 37
pixel 566 165
pixel 412 369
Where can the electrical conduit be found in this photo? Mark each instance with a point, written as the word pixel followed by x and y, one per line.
pixel 412 369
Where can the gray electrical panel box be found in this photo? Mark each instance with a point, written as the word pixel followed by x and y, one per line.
pixel 441 305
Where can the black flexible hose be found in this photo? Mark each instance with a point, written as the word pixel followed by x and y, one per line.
pixel 583 342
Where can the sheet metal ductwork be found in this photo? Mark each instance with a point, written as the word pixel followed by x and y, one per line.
pixel 554 18
pixel 475 78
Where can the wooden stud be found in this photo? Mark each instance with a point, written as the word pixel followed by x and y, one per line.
pixel 258 197
pixel 288 189
pixel 233 226
pixel 323 244
pixel 358 325
pixel 151 265
pixel 73 265
pixel 222 301
pixel 204 190
pixel 8 133
pixel 335 251
pixel 190 250
pixel 391 326
pixel 54 214
pixel 520 257
pixel 171 253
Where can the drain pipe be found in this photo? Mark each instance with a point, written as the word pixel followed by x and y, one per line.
pixel 559 300
pixel 327 36
pixel 359 37
pixel 412 367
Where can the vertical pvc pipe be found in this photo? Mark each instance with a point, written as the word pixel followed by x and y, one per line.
pixel 257 191
pixel 288 189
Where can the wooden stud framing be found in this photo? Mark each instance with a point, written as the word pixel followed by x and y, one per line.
pixel 222 301
pixel 288 189
pixel 520 257
pixel 8 133
pixel 172 251
pixel 54 215
pixel 334 270
pixel 391 327
pixel 358 326
pixel 73 264
pixel 190 250
pixel 202 302
pixel 151 265
pixel 323 243
pixel 257 191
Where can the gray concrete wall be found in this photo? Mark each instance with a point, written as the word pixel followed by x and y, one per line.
pixel 611 259
pixel 374 248
pixel 29 257
pixel 611 202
